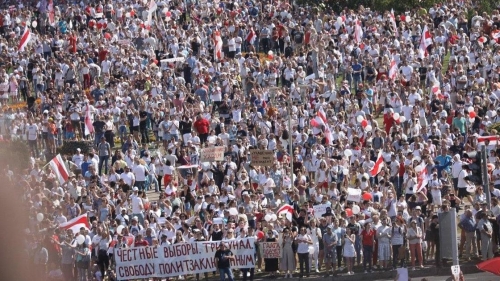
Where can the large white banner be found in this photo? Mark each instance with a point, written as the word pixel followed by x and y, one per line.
pixel 180 259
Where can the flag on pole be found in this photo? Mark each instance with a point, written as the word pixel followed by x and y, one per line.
pixel 393 70
pixel 218 45
pixel 89 128
pixel 25 39
pixel 152 6
pixel 379 164
pixel 321 114
pixel 287 210
pixel 317 122
pixel 50 8
pixel 422 178
pixel 58 167
pixel 76 223
pixel 393 22
pixel 251 36
pixel 358 32
pixel 425 41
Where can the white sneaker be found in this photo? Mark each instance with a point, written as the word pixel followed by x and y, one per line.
pixel 317 270
pixel 248 274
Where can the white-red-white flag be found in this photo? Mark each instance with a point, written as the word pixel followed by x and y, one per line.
pixel 493 140
pixel 358 32
pixel 393 22
pixel 379 164
pixel 422 177
pixel 321 114
pixel 25 39
pixel 393 70
pixel 287 210
pixel 152 6
pixel 218 45
pixel 89 128
pixel 76 223
pixel 251 36
pixel 50 9
pixel 317 122
pixel 58 167
pixel 328 135
pixel 425 41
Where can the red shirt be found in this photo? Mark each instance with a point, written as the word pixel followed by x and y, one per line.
pixel 72 42
pixel 202 126
pixel 142 243
pixel 368 237
pixel 102 55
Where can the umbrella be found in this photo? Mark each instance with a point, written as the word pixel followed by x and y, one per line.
pixel 492 265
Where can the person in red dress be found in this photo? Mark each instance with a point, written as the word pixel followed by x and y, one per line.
pixel 202 126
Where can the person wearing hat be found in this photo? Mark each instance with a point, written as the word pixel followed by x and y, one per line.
pixel 330 242
pixel 486 229
pixel 223 257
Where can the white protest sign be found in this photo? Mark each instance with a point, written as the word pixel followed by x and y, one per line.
pixel 218 221
pixel 180 259
pixel 319 210
pixel 353 194
pixel 455 271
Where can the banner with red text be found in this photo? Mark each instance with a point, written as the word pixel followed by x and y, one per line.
pixel 271 250
pixel 180 259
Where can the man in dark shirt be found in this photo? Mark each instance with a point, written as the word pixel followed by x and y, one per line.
pixel 223 257
pixel 456 148
pixel 435 237
pixel 143 124
pixel 98 129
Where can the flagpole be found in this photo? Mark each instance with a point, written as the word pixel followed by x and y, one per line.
pixel 290 140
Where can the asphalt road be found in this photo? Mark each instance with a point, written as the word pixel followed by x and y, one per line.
pixel 482 276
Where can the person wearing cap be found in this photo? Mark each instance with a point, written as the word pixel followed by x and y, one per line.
pixel 486 229
pixel 330 242
pixel 223 257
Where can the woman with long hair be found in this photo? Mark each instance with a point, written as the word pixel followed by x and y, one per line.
pixel 415 241
pixel 287 262
pixel 349 251
pixel 83 261
pixel 102 254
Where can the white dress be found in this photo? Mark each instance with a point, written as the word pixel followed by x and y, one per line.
pixel 349 251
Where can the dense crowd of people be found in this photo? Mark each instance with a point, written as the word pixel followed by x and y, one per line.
pixel 380 106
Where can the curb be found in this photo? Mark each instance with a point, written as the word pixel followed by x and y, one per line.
pixel 468 268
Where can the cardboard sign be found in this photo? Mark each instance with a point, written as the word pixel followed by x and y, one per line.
pixel 179 259
pixel 455 271
pixel 271 250
pixel 353 194
pixel 261 157
pixel 124 42
pixel 320 210
pixel 210 154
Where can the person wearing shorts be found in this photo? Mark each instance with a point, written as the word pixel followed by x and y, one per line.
pixel 384 244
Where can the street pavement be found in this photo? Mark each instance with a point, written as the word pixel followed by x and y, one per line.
pixel 482 276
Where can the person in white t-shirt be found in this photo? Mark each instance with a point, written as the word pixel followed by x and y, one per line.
pixel 137 205
pixel 32 136
pixel 140 173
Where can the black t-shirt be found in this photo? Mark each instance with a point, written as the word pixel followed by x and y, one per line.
pixel 217 235
pixel 143 114
pixel 99 126
pixel 223 257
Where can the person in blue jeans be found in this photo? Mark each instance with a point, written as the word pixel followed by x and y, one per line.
pixel 223 257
